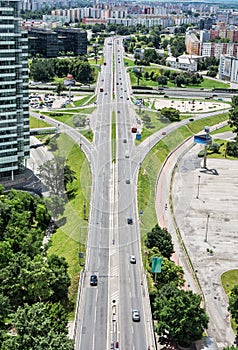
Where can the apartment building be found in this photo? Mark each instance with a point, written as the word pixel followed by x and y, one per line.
pixel 14 112
pixel 228 68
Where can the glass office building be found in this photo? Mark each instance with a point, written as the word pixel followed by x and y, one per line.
pixel 14 110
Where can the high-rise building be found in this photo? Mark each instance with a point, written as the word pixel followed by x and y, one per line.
pixel 14 110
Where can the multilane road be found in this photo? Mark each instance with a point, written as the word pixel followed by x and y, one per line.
pixel 105 312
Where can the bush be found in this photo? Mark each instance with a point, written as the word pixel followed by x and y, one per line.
pixel 232 149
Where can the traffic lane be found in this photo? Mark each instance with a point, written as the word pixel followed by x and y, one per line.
pixel 87 338
pixel 130 289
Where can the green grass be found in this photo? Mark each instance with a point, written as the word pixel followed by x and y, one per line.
pixel 222 151
pixel 128 62
pixel 114 136
pixel 205 84
pixel 83 101
pixel 156 123
pixel 38 123
pixel 229 279
pixel 224 129
pixel 66 116
pixel 93 62
pixel 153 162
pixel 70 238
pixel 85 110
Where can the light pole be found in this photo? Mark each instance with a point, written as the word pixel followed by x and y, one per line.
pixel 206 231
pixel 199 177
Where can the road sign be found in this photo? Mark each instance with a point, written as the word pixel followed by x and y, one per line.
pixel 204 139
pixel 156 264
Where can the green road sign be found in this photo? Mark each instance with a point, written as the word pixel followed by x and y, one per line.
pixel 156 264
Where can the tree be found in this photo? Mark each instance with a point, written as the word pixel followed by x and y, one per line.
pixel 40 327
pixel 55 205
pixel 69 175
pixel 146 75
pixel 170 273
pixel 171 113
pixel 41 70
pixel 162 80
pixel 161 239
pixel 233 304
pixel 180 80
pixel 179 315
pixel 52 174
pixel 138 74
pixel 59 88
pixel 233 115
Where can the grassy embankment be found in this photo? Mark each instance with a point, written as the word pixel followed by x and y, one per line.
pixel 70 237
pixel 229 279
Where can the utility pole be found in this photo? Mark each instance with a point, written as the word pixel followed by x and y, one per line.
pixel 199 177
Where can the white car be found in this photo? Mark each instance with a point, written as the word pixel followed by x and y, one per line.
pixel 136 315
pixel 132 259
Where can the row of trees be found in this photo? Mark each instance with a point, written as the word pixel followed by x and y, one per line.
pixel 46 69
pixel 232 147
pixel 34 300
pixel 162 77
pixel 232 150
pixel 178 313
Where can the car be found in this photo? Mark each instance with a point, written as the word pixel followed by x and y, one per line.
pixel 130 221
pixel 93 280
pixel 164 133
pixel 135 315
pixel 191 119
pixel 124 140
pixel 127 98
pixel 127 154
pixel 42 116
pixel 105 93
pixel 166 96
pixel 132 259
pixel 118 111
pixel 121 96
pixel 128 181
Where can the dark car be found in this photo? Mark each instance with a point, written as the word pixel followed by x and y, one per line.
pixel 191 119
pixel 130 221
pixel 42 116
pixel 93 280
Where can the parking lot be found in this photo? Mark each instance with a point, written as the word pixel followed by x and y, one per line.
pixel 190 106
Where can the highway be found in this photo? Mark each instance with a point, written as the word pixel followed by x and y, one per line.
pixel 105 311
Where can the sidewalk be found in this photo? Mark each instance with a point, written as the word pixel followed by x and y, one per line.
pixel 204 206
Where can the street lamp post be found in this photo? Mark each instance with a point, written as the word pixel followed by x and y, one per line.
pixel 206 231
pixel 199 177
